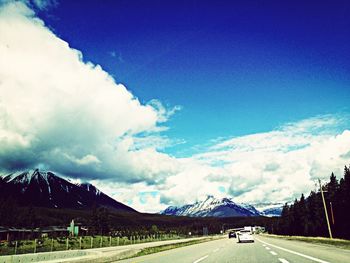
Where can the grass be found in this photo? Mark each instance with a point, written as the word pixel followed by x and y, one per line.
pixel 152 250
pixel 341 243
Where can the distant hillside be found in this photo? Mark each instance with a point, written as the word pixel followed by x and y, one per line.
pixel 45 189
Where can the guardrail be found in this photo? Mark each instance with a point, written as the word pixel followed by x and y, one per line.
pixel 76 243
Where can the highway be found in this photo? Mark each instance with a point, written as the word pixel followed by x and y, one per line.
pixel 263 250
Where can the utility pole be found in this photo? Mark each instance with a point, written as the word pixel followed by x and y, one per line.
pixel 325 210
pixel 332 212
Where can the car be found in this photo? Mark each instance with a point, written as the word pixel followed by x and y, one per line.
pixel 245 236
pixel 231 234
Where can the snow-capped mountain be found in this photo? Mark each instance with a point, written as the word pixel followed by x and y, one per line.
pixel 224 207
pixel 45 189
pixel 212 206
pixel 269 209
pixel 272 212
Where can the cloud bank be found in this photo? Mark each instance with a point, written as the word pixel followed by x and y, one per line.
pixel 275 166
pixel 67 115
pixel 60 113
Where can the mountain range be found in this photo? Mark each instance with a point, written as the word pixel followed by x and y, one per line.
pixel 224 207
pixel 45 189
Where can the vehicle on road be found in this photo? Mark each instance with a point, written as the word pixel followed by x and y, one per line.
pixel 249 228
pixel 232 234
pixel 245 236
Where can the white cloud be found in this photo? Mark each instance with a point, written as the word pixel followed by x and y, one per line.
pixel 281 164
pixel 69 115
pixel 44 4
pixel 275 166
pixel 86 160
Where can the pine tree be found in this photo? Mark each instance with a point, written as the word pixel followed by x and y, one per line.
pixel 306 216
pixel 342 210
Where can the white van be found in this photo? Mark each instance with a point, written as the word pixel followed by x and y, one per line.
pixel 245 236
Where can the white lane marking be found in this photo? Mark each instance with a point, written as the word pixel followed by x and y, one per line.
pixel 294 252
pixel 282 260
pixel 200 259
pixel 216 250
pixel 273 253
pixel 267 248
pixel 264 245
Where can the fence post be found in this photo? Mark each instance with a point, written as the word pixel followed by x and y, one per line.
pixel 51 244
pixel 110 241
pixel 34 245
pixel 117 241
pixel 67 244
pixel 80 242
pixel 92 241
pixel 16 244
pixel 101 242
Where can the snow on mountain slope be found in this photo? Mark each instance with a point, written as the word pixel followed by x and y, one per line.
pixel 212 206
pixel 45 189
pixel 224 207
pixel 269 209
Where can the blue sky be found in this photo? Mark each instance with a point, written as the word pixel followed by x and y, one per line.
pixel 164 102
pixel 234 67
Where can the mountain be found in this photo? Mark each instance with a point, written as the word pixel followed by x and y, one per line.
pixel 272 212
pixel 45 189
pixel 269 209
pixel 214 207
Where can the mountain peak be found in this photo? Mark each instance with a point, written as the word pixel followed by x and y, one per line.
pixel 29 175
pixel 212 206
pixel 45 189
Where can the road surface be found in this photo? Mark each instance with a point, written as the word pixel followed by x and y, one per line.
pixel 263 250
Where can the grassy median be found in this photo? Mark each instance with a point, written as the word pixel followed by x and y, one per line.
pixel 152 250
pixel 341 243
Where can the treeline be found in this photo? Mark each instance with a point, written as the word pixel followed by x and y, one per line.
pixel 102 221
pixel 306 216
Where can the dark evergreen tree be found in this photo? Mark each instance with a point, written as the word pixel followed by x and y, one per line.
pixel 306 216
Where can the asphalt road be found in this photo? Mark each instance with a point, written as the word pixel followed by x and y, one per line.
pixel 263 250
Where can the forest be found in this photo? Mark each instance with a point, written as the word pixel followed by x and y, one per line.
pixel 307 217
pixel 102 221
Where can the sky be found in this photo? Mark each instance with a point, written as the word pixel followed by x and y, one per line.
pixel 161 103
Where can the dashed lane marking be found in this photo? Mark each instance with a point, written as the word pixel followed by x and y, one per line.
pixel 200 259
pixel 273 253
pixel 282 260
pixel 294 252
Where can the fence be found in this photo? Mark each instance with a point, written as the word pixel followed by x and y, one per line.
pixel 75 243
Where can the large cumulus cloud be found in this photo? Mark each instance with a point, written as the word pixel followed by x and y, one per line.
pixel 70 116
